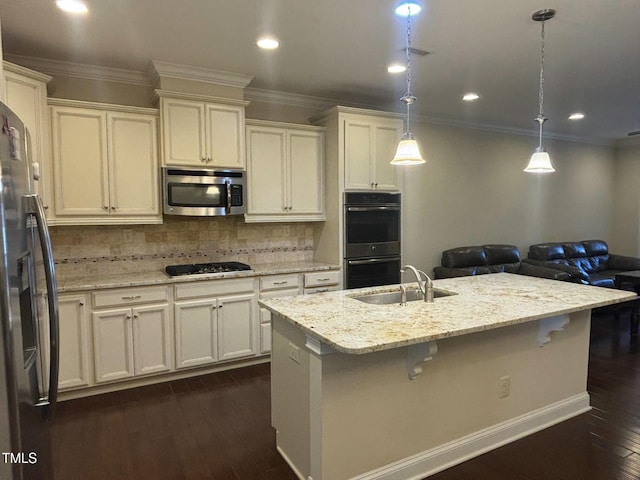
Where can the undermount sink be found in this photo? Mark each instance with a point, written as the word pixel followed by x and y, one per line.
pixel 387 298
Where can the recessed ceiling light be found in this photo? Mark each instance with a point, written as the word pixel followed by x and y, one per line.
pixel 268 43
pixel 406 8
pixel 576 116
pixel 72 6
pixel 470 97
pixel 396 68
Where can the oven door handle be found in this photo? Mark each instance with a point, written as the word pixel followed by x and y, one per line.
pixel 228 188
pixel 372 208
pixel 373 260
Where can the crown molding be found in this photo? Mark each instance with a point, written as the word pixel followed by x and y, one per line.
pixel 292 99
pixel 446 122
pixel 78 70
pixel 158 69
pixel 27 72
pixel 628 142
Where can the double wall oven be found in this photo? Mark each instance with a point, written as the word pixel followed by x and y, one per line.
pixel 372 239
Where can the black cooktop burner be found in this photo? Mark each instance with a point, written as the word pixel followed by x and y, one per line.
pixel 214 267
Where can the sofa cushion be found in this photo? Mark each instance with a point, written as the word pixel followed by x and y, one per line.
pixel 498 254
pixel 462 257
pixel 574 250
pixel 546 251
pixel 596 247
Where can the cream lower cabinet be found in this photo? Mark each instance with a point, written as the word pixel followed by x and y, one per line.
pixel 214 321
pixel 285 170
pixel 105 164
pixel 273 286
pixel 131 340
pixel 74 342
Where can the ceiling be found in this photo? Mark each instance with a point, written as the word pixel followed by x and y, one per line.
pixel 339 50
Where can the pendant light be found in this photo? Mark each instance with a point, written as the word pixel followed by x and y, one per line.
pixel 540 161
pixel 408 152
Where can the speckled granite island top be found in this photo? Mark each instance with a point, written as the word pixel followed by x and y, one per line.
pixel 481 303
pixel 159 277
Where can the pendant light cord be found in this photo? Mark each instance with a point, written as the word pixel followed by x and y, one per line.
pixel 541 118
pixel 408 97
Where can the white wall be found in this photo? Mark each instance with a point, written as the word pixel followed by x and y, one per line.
pixel 626 214
pixel 473 191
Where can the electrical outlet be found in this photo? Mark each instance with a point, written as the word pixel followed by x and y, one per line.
pixel 505 387
pixel 294 353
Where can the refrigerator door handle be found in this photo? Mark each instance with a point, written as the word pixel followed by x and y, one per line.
pixel 34 207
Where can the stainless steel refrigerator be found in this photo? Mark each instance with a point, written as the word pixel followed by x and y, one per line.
pixel 28 314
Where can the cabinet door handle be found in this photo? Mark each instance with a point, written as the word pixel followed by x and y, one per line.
pixel 46 207
pixel 128 315
pixel 135 315
pixel 81 304
pixel 131 297
pixel 375 185
pixel 106 207
pixel 113 208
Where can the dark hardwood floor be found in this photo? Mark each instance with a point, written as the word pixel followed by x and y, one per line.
pixel 218 427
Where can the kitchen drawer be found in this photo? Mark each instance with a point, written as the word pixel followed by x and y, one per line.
pixel 276 282
pixel 321 289
pixel 316 279
pixel 129 296
pixel 213 288
pixel 285 292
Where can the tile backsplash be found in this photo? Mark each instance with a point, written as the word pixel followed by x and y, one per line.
pixel 112 249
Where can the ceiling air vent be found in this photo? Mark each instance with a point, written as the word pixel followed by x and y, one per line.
pixel 416 51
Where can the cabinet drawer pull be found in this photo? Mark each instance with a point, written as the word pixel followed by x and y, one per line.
pixel 322 290
pixel 284 282
pixel 323 279
pixel 131 297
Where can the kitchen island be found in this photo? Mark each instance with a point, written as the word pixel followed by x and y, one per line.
pixel 400 392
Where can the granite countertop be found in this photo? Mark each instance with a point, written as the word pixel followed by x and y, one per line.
pixel 481 303
pixel 160 277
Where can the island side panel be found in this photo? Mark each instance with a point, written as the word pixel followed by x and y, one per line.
pixel 373 415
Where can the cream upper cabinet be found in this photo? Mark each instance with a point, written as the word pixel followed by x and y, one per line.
pixel 285 168
pixel 197 133
pixel 105 165
pixel 369 146
pixel 26 95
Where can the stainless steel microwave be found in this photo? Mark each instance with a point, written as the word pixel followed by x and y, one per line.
pixel 203 192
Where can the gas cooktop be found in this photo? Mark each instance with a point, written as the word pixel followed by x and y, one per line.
pixel 198 268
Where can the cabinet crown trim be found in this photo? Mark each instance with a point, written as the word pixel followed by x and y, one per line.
pixel 321 117
pixel 27 72
pixel 159 69
pixel 112 107
pixel 251 122
pixel 158 94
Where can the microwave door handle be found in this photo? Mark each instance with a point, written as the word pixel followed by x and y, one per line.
pixel 228 185
pixel 34 207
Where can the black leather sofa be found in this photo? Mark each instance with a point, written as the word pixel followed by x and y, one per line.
pixel 588 262
pixel 482 259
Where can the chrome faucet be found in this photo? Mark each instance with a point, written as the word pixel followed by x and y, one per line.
pixel 426 288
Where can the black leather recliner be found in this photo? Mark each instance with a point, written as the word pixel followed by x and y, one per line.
pixel 482 259
pixel 588 262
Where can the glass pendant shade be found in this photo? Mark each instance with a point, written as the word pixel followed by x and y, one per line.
pixel 408 152
pixel 540 162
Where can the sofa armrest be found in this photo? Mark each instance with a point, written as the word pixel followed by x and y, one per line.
pixel 448 272
pixel 543 272
pixel 621 262
pixel 576 274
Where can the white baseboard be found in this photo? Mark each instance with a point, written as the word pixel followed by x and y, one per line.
pixel 290 463
pixel 440 458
